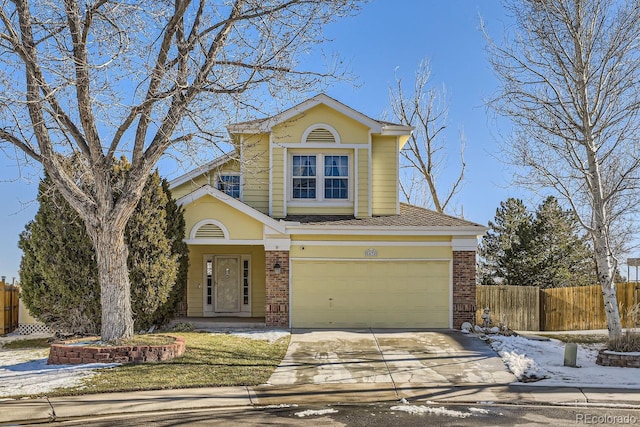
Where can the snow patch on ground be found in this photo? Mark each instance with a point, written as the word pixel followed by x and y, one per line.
pixel 25 372
pixel 528 358
pixel 519 356
pixel 311 412
pixel 419 409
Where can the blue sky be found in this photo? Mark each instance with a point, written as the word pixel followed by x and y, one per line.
pixel 387 35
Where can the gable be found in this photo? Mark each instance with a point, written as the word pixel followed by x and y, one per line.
pixel 319 122
pixel 208 218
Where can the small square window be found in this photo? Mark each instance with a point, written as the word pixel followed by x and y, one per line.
pixel 230 185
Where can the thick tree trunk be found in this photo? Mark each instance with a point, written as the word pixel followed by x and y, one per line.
pixel 115 288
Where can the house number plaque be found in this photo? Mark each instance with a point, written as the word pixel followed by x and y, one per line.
pixel 371 252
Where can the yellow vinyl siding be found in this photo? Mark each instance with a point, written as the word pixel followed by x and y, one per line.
pixel 370 294
pixel 195 285
pixel 189 186
pixel 255 170
pixel 358 252
pixel 350 131
pixel 384 153
pixel 240 226
pixel 232 166
pixel 278 175
pixel 369 238
pixel 362 171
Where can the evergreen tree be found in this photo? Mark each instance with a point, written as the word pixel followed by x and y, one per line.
pixel 506 248
pixel 59 273
pixel 542 250
pixel 564 257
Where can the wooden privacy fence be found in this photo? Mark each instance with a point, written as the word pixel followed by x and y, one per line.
pixel 582 307
pixel 529 308
pixel 9 307
pixel 516 306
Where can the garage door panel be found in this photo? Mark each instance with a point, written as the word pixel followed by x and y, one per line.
pixel 379 294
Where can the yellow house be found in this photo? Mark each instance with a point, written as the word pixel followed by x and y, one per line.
pixel 301 225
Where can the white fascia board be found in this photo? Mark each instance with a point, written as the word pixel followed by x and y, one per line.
pixel 465 243
pixel 386 231
pixel 223 242
pixel 234 203
pixel 201 170
pixel 396 130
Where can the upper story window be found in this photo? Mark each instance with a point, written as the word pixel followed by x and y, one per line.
pixel 304 177
pixel 320 177
pixel 336 177
pixel 229 184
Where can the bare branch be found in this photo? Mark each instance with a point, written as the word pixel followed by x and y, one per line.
pixel 425 109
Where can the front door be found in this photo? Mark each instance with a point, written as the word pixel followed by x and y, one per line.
pixel 227 284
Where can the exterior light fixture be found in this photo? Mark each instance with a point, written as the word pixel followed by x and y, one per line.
pixel 276 268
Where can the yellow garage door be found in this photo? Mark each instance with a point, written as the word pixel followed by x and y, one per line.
pixel 371 294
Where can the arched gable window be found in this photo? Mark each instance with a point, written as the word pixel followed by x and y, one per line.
pixel 320 134
pixel 209 229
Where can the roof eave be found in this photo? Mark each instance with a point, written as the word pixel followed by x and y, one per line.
pixel 278 226
pixel 396 130
pixel 298 228
pixel 268 123
pixel 201 170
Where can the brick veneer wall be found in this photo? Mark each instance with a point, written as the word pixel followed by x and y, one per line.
pixel 464 287
pixel 277 289
pixel 71 353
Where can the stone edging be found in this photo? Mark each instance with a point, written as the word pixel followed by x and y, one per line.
pixel 70 353
pixel 614 358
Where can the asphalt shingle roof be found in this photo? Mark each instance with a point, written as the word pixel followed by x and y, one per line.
pixel 410 216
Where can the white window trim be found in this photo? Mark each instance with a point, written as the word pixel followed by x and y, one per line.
pixel 320 177
pixel 219 174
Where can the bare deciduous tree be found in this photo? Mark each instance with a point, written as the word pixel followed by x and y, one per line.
pixel 426 151
pixel 570 84
pixel 101 78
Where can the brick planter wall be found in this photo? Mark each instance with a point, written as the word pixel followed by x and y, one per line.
pixel 622 360
pixel 277 289
pixel 68 353
pixel 464 287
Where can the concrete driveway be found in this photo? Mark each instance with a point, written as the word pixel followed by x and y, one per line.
pixel 437 357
